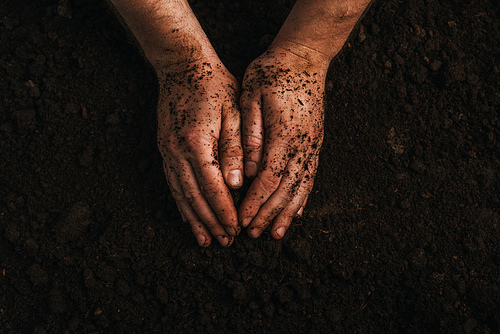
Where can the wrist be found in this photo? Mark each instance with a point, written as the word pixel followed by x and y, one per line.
pixel 196 62
pixel 165 59
pixel 310 57
pixel 167 31
pixel 178 46
pixel 318 29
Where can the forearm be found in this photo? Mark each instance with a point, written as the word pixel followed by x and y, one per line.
pixel 167 31
pixel 317 29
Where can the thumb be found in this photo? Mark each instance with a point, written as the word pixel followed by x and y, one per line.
pixel 230 151
pixel 253 131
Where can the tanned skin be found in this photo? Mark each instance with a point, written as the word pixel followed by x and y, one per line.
pixel 207 146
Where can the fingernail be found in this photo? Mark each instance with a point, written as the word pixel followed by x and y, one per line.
pixel 231 231
pixel 255 232
pixel 201 239
pixel 245 222
pixel 300 212
pixel 250 168
pixel 234 178
pixel 223 240
pixel 281 232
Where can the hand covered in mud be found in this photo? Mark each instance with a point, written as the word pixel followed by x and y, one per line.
pixel 282 113
pixel 199 139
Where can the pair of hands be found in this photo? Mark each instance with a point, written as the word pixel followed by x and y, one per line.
pixel 207 144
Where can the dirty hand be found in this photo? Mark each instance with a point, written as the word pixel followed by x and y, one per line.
pixel 199 139
pixel 282 114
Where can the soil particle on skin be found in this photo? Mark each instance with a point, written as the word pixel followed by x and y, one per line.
pixel 401 230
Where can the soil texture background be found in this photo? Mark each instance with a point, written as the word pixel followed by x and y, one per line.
pixel 401 231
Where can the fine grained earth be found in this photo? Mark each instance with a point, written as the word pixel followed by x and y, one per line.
pixel 401 231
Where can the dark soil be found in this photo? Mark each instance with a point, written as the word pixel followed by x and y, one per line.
pixel 400 234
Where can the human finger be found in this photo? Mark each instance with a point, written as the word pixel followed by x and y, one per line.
pixel 284 194
pixel 192 203
pixel 214 190
pixel 267 181
pixel 230 150
pixel 282 221
pixel 201 233
pixel 253 130
pixel 300 212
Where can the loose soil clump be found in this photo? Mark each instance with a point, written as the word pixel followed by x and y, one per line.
pixel 401 231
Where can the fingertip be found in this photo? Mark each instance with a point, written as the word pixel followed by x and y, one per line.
pixel 234 179
pixel 300 212
pixel 254 232
pixel 202 241
pixel 245 222
pixel 251 169
pixel 223 240
pixel 279 232
pixel 232 231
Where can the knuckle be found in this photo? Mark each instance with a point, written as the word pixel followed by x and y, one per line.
pixel 263 222
pixel 232 153
pixel 211 225
pixel 168 146
pixel 308 181
pixel 230 145
pixel 176 194
pixel 199 146
pixel 232 111
pixel 291 188
pixel 268 183
pixel 192 196
pixel 210 189
pixel 252 141
pixel 192 141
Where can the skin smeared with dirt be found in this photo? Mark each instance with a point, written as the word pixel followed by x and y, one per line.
pixel 198 127
pixel 283 113
pixel 282 118
pixel 198 117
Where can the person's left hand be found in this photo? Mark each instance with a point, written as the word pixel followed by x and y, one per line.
pixel 282 123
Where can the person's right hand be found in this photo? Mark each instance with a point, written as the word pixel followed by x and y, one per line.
pixel 199 140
